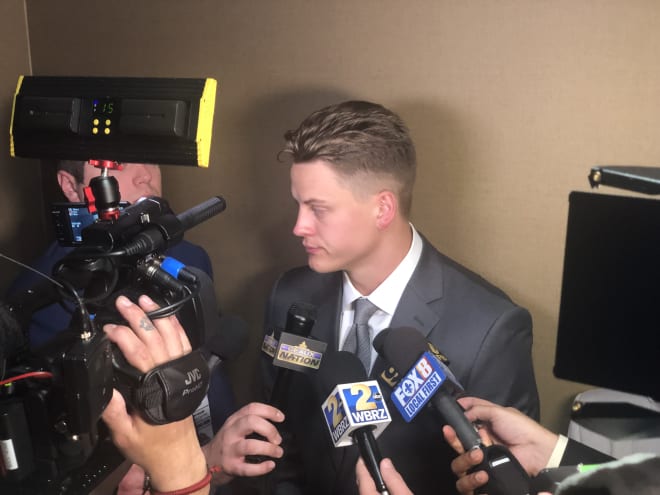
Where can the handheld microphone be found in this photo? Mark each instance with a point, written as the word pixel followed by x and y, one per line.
pixel 299 322
pixel 293 352
pixel 229 341
pixel 406 349
pixel 429 381
pixel 354 410
pixel 300 319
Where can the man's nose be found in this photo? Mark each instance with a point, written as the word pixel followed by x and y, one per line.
pixel 302 226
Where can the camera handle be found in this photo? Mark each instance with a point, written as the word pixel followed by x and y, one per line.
pixel 169 392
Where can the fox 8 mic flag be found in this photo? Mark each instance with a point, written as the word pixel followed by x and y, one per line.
pixel 417 387
pixel 352 406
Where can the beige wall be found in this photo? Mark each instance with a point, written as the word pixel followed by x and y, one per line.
pixel 22 228
pixel 510 104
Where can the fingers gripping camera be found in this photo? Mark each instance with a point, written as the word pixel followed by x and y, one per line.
pixel 169 392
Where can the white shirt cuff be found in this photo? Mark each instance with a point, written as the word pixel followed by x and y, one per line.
pixel 558 452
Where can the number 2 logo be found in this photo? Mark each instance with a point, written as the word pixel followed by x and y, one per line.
pixel 337 413
pixel 364 402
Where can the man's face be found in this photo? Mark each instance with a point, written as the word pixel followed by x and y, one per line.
pixel 338 229
pixel 135 180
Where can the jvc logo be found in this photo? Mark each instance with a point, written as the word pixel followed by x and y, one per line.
pixel 193 376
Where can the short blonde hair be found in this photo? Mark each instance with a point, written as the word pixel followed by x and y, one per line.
pixel 358 137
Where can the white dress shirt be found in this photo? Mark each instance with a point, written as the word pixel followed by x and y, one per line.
pixel 386 296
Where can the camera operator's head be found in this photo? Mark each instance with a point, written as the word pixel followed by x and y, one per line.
pixel 135 179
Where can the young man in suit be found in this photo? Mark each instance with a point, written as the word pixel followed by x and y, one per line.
pixel 352 176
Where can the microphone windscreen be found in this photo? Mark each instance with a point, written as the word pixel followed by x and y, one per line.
pixel 300 319
pixel 230 339
pixel 401 347
pixel 338 368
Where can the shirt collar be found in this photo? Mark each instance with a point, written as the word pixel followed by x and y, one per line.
pixel 386 296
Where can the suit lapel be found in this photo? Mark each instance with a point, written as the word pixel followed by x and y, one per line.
pixel 416 306
pixel 328 311
pixel 415 309
pixel 327 300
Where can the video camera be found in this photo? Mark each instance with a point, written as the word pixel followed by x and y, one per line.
pixel 52 397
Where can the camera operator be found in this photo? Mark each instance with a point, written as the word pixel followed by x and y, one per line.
pixel 144 348
pixel 135 180
pixel 169 453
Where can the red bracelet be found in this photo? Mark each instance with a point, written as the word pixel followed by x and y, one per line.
pixel 192 488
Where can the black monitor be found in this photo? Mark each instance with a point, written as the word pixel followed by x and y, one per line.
pixel 609 316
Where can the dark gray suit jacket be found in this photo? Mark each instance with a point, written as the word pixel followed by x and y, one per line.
pixel 486 337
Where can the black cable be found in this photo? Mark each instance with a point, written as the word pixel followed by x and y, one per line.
pixel 175 306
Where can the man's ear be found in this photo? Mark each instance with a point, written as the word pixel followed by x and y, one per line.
pixel 387 208
pixel 69 185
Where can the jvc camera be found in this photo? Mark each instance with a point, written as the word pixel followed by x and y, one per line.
pixel 51 398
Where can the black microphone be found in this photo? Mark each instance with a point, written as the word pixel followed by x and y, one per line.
pixel 354 409
pixel 201 212
pixel 299 321
pixel 168 229
pixel 402 348
pixel 428 380
pixel 228 341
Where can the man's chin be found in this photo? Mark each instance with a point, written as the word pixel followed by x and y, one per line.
pixel 320 266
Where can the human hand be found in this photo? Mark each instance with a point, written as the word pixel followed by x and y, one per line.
pixel 170 453
pixel 393 480
pixel 527 440
pixel 133 482
pixel 230 445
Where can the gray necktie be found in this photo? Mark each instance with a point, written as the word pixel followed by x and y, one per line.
pixel 358 340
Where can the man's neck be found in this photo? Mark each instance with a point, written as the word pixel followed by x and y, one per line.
pixel 372 271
